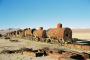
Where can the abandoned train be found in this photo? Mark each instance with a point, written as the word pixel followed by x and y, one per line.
pixel 58 34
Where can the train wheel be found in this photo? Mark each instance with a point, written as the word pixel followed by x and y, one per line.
pixel 36 39
pixel 61 42
pixel 48 40
pixel 56 41
pixel 33 39
pixel 52 41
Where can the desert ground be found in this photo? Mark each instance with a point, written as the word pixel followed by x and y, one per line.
pixel 81 34
pixel 10 46
pixel 6 44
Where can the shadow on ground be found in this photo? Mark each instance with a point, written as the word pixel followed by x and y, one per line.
pixel 81 41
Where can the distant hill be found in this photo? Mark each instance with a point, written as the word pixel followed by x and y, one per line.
pixel 81 30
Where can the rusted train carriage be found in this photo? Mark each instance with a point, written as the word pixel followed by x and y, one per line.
pixel 60 34
pixel 40 34
pixel 14 34
pixel 19 33
pixel 11 34
pixel 27 32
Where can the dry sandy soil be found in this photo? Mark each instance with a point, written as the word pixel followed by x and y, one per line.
pixel 8 45
pixel 23 43
pixel 81 34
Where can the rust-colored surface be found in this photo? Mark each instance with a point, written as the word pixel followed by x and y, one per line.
pixel 40 33
pixel 59 25
pixel 28 32
pixel 56 33
pixel 60 33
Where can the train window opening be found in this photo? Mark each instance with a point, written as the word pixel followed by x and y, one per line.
pixel 66 35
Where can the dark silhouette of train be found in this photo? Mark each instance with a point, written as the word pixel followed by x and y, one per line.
pixel 58 34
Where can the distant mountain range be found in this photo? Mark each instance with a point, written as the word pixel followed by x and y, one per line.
pixel 81 30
